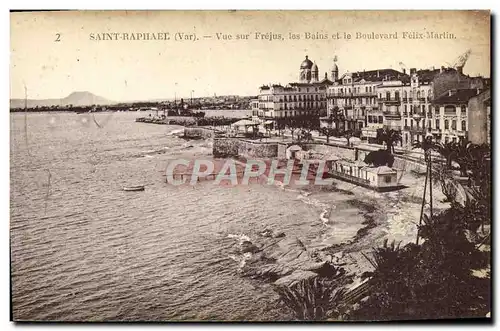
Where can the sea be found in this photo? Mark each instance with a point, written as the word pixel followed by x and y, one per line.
pixel 83 249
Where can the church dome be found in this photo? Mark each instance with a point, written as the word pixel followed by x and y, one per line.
pixel 314 68
pixel 306 64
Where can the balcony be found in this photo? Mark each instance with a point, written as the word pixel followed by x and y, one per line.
pixel 351 95
pixel 390 101
pixel 407 100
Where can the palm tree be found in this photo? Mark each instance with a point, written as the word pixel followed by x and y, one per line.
pixel 390 137
pixel 315 299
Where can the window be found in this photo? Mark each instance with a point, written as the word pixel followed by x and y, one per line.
pixel 411 123
pixel 453 124
pixel 387 179
pixel 369 118
pixel 437 124
pixel 463 108
pixel 423 109
pixel 436 111
pixel 446 124
pixel 396 95
pixel 429 124
pixel 405 95
pixel 381 119
pixel 406 109
pixel 375 119
pixel 388 95
pixel 464 125
pixel 406 122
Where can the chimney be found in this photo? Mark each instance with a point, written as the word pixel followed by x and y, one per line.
pixel 460 69
pixel 404 71
pixel 378 74
pixel 413 71
pixel 442 69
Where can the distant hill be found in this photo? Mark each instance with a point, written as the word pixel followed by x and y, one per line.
pixel 82 98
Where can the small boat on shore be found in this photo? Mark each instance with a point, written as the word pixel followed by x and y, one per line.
pixel 134 188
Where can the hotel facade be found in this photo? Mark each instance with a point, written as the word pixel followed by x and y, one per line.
pixel 305 97
pixel 415 103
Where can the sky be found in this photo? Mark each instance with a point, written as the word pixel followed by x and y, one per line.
pixel 124 70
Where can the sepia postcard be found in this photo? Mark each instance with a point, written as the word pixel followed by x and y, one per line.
pixel 231 166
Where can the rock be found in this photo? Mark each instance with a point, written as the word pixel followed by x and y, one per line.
pixel 248 247
pixel 295 277
pixel 312 266
pixel 272 234
pixel 278 234
pixel 267 233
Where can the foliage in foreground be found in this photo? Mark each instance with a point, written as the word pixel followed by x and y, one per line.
pixel 315 299
pixel 433 280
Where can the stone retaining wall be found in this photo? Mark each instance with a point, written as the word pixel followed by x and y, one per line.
pixel 199 133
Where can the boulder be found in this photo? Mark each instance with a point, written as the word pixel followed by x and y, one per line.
pixel 248 247
pixel 278 234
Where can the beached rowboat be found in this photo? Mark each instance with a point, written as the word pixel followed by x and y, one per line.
pixel 134 188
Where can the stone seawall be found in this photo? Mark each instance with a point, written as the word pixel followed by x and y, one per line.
pixel 199 133
pixel 225 147
pixel 229 147
pixel 257 149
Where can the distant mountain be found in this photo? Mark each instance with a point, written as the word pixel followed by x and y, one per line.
pixel 82 98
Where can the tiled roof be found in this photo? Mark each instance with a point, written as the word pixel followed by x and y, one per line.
pixel 377 75
pixel 460 96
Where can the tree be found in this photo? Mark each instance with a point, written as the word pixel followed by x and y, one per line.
pixel 390 137
pixel 292 124
pixel 348 134
pixel 379 158
pixel 329 132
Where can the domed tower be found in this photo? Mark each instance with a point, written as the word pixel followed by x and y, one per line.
pixel 305 70
pixel 314 73
pixel 335 69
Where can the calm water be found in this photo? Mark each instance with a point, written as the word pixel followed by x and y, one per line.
pixel 83 249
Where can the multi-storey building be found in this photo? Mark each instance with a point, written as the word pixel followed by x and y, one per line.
pixel 307 97
pixel 479 118
pixel 406 104
pixel 354 96
pixel 452 115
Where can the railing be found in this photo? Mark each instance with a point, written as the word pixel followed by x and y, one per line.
pixel 393 101
pixel 353 94
pixel 354 179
